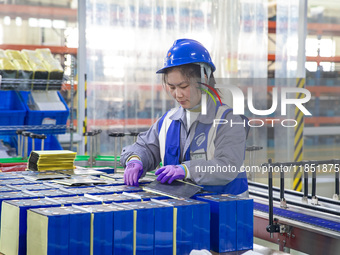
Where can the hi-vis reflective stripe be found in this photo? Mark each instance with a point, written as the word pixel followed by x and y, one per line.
pixel 298 139
pixel 211 135
pixel 162 133
pixel 85 118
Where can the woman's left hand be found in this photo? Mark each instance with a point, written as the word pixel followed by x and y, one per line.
pixel 170 173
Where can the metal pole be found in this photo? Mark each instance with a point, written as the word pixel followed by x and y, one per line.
pixel 115 135
pixel 42 137
pixel 305 187
pixel 26 147
pixel 91 150
pixel 72 102
pixel 313 183
pixel 19 133
pixel 25 134
pixel 98 142
pixel 81 57
pixel 270 195
pixel 336 194
pixel 21 145
pixel 33 144
pixel 283 203
pixel 314 197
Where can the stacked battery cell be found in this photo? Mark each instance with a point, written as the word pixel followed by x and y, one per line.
pixel 120 177
pixel 120 189
pixel 231 222
pixel 10 175
pixel 145 196
pixel 17 181
pixel 6 188
pixel 111 229
pixel 33 187
pixel 75 200
pixel 14 223
pixel 58 230
pixel 51 193
pixel 191 224
pixel 153 224
pixel 88 190
pixel 110 198
pixel 16 195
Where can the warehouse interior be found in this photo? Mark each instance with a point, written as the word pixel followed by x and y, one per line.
pixel 99 76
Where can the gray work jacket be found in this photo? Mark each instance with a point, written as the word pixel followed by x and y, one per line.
pixel 229 148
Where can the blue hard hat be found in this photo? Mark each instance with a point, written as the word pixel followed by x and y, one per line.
pixel 186 51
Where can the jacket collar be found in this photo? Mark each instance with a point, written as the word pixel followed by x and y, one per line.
pixel 205 119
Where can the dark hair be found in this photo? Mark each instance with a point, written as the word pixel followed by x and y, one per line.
pixel 190 71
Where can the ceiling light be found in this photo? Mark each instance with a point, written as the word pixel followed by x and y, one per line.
pixel 59 24
pixel 18 21
pixel 45 23
pixel 7 20
pixel 33 22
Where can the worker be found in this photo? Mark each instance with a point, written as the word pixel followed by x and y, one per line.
pixel 201 148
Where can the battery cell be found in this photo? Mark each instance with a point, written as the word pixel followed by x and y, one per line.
pixel 87 190
pixel 159 220
pixel 145 196
pixel 245 224
pixel 75 200
pixel 14 223
pixel 222 223
pixel 144 225
pixel 120 189
pixel 111 229
pixel 231 222
pixel 58 230
pixel 191 224
pixel 110 198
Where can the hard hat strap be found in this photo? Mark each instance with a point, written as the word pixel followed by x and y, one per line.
pixel 207 69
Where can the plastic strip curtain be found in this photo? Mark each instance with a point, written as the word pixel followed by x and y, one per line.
pixel 240 54
pixel 286 72
pixel 126 43
pixel 252 56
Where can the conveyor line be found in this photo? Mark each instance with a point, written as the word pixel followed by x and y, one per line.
pixel 295 198
pixel 320 222
pixel 303 226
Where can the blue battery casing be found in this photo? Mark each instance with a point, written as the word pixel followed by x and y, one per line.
pixel 157 219
pixel 23 205
pixel 222 223
pixel 245 224
pixel 112 229
pixel 193 224
pixel 123 230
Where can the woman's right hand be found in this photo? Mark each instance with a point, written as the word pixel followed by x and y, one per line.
pixel 133 171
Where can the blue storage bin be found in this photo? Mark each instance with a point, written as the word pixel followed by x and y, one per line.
pixel 9 140
pixel 44 117
pixel 12 109
pixel 330 113
pixel 310 82
pixel 330 82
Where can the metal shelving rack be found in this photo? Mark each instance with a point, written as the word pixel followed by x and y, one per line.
pixel 316 29
pixel 18 84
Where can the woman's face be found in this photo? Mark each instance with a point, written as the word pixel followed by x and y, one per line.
pixel 186 93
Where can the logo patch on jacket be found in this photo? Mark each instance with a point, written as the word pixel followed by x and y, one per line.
pixel 200 139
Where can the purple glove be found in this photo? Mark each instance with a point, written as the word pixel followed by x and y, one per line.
pixel 132 173
pixel 170 173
